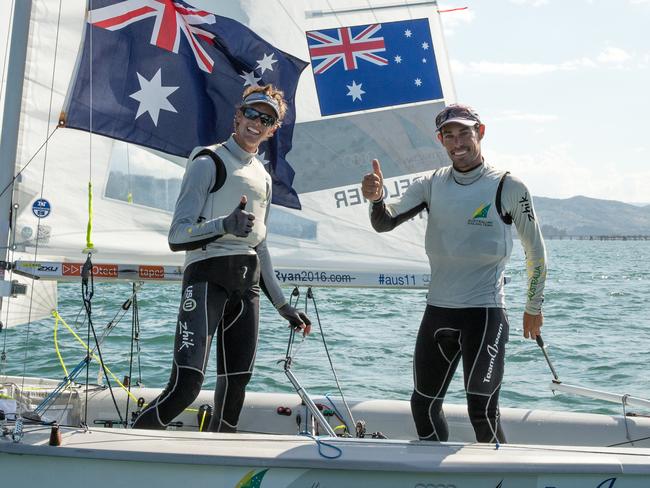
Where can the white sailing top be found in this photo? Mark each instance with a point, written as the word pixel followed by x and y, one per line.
pixel 197 225
pixel 467 242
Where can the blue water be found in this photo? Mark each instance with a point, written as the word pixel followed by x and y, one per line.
pixel 597 327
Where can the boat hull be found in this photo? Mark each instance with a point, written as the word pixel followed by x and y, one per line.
pixel 112 457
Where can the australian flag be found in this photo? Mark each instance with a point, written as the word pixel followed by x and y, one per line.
pixel 168 76
pixel 372 66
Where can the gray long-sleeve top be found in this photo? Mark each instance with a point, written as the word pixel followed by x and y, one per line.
pixel 467 242
pixel 197 224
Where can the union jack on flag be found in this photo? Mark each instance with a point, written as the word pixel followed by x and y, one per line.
pixel 347 48
pixel 171 19
pixel 371 66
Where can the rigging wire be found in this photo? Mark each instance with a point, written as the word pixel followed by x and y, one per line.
pixel 291 354
pixel 3 355
pixel 89 226
pixel 19 173
pixel 88 291
pixel 310 295
pixel 135 338
pixel 15 207
pixel 38 225
pixel 5 59
pixel 293 19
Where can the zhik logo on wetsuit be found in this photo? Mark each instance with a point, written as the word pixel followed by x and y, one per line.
pixel 479 217
pixel 186 336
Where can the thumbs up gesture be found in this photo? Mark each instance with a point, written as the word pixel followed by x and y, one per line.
pixel 240 222
pixel 372 185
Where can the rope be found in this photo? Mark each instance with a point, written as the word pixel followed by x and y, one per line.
pixel 133 332
pixel 338 452
pixel 89 227
pixel 627 430
pixel 89 244
pixel 92 355
pixel 57 319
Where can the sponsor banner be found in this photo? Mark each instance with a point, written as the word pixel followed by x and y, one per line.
pixel 286 276
pixel 101 271
pixel 151 272
pixel 312 277
pixel 98 270
pixel 39 269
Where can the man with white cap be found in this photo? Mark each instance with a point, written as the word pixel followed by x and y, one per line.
pixel 471 207
pixel 226 263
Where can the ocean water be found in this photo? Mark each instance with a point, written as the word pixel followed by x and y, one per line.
pixel 596 327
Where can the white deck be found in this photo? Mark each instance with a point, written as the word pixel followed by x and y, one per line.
pixel 126 455
pixel 546 449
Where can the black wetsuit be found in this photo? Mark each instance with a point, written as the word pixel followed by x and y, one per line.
pixel 479 335
pixel 220 299
pixel 468 242
pixel 221 284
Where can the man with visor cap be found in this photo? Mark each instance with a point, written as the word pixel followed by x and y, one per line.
pixel 471 207
pixel 226 263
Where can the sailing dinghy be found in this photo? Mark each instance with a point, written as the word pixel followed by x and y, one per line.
pixel 58 432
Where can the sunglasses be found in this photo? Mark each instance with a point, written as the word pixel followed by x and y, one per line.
pixel 252 114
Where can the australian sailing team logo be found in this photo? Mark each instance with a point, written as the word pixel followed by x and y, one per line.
pixel 479 217
pixel 252 479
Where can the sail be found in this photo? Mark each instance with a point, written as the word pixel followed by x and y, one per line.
pixel 328 242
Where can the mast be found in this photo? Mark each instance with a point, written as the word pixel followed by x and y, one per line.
pixel 10 123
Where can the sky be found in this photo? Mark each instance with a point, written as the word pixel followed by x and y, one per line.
pixel 561 85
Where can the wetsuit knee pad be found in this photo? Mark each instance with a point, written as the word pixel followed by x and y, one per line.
pixel 187 389
pixel 484 415
pixel 228 400
pixel 231 389
pixel 429 418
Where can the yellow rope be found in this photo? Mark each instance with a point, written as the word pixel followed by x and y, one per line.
pixel 80 340
pixel 57 318
pixel 89 228
pixel 205 413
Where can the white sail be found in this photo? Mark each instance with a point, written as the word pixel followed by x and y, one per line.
pixel 328 242
pixel 37 303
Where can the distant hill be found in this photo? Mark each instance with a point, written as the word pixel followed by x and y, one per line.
pixel 590 216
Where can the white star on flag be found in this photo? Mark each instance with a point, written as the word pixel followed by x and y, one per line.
pixel 425 45
pixel 418 82
pixel 398 59
pixel 408 33
pixel 266 63
pixel 355 91
pixel 153 97
pixel 250 79
pixel 424 60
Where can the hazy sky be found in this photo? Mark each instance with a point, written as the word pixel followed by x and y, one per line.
pixel 562 86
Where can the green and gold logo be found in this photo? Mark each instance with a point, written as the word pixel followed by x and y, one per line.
pixel 479 217
pixel 482 211
pixel 252 479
